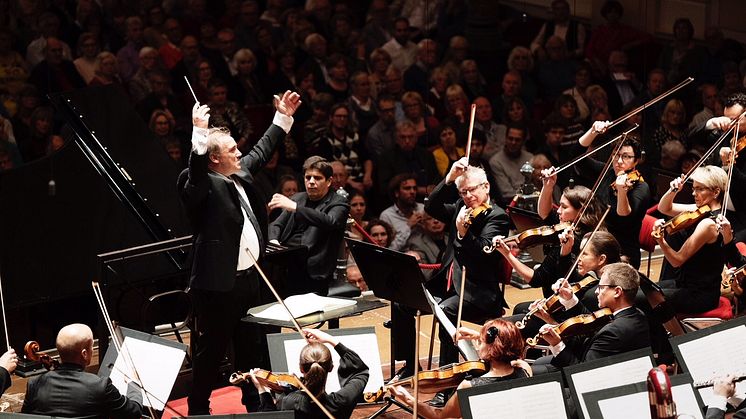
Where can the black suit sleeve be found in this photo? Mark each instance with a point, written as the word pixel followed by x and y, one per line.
pixel 120 406
pixel 278 225
pixel 715 413
pixel 335 218
pixel 436 204
pixel 4 380
pixel 353 376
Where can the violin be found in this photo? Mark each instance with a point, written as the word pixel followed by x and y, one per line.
pixel 277 382
pixel 633 178
pixel 31 349
pixel 683 221
pixel 582 324
pixel 552 303
pixel 533 236
pixel 433 381
pixel 740 145
pixel 735 280
pixel 476 212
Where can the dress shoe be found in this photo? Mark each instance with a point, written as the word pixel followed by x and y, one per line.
pixel 387 324
pixel 403 373
pixel 439 400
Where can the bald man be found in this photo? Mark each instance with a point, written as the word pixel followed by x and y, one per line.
pixel 70 391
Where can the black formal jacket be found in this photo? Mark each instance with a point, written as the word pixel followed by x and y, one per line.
pixel 484 270
pixel 715 413
pixel 325 226
pixel 69 391
pixel 4 380
pixel 212 204
pixel 628 331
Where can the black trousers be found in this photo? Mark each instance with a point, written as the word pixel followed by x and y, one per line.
pixel 403 328
pixel 218 328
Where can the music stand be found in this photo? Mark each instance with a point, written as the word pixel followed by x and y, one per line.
pixel 394 276
pixel 391 275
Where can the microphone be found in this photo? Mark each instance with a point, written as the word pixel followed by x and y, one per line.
pixel 52 188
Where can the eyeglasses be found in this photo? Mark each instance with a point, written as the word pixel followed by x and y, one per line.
pixel 602 286
pixel 627 157
pixel 467 191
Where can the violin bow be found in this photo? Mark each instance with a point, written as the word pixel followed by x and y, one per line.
pixel 119 346
pixel 277 296
pixel 626 117
pixel 471 130
pixel 596 149
pixel 5 320
pixel 463 268
pixel 415 381
pixel 601 176
pixel 731 163
pixel 582 248
pixel 734 124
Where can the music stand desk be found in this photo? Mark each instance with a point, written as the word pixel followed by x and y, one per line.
pixel 363 304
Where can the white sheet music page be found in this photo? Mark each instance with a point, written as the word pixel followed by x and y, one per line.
pixel 158 365
pixel 301 305
pixel 637 405
pixel 544 400
pixel 717 354
pixel 619 374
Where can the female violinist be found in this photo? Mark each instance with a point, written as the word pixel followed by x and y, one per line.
pixel 628 196
pixel 601 250
pixel 690 276
pixel 315 364
pixel 500 343
pixel 570 204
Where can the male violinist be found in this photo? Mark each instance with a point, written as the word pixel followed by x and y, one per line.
pixel 627 331
pixel 628 196
pixel 70 391
pixel 466 238
pixel 462 202
pixel 735 105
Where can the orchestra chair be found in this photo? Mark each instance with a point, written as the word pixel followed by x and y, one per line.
pixel 168 312
pixel 723 312
pixel 647 242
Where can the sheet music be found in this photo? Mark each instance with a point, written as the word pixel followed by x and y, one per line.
pixel 465 346
pixel 717 354
pixel 158 365
pixel 628 372
pixel 301 305
pixel 637 405
pixel 365 345
pixel 544 400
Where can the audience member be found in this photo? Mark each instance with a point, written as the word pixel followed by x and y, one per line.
pixel 403 52
pixel 417 75
pixel 572 33
pixel 406 212
pixel 55 73
pixel 426 126
pixel 129 54
pixel 381 136
pixel 408 157
pixel 382 232
pixel 506 164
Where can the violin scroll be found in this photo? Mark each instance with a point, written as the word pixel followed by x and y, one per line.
pixel 31 349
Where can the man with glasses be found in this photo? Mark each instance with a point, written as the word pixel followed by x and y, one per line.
pixel 627 331
pixel 629 199
pixel 462 202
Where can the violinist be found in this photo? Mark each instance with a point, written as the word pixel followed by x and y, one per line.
pixel 500 343
pixel 570 204
pixel 627 331
pixel 70 391
pixel 734 106
pixel 690 276
pixel 315 364
pixel 601 250
pixel 462 202
pixel 624 190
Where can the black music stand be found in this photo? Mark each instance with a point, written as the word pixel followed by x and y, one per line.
pixel 396 277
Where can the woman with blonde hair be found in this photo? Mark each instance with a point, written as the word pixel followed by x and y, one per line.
pixel 690 276
pixel 106 70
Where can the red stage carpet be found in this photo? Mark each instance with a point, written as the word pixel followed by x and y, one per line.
pixel 223 401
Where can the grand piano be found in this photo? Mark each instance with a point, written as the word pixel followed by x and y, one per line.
pixel 115 188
